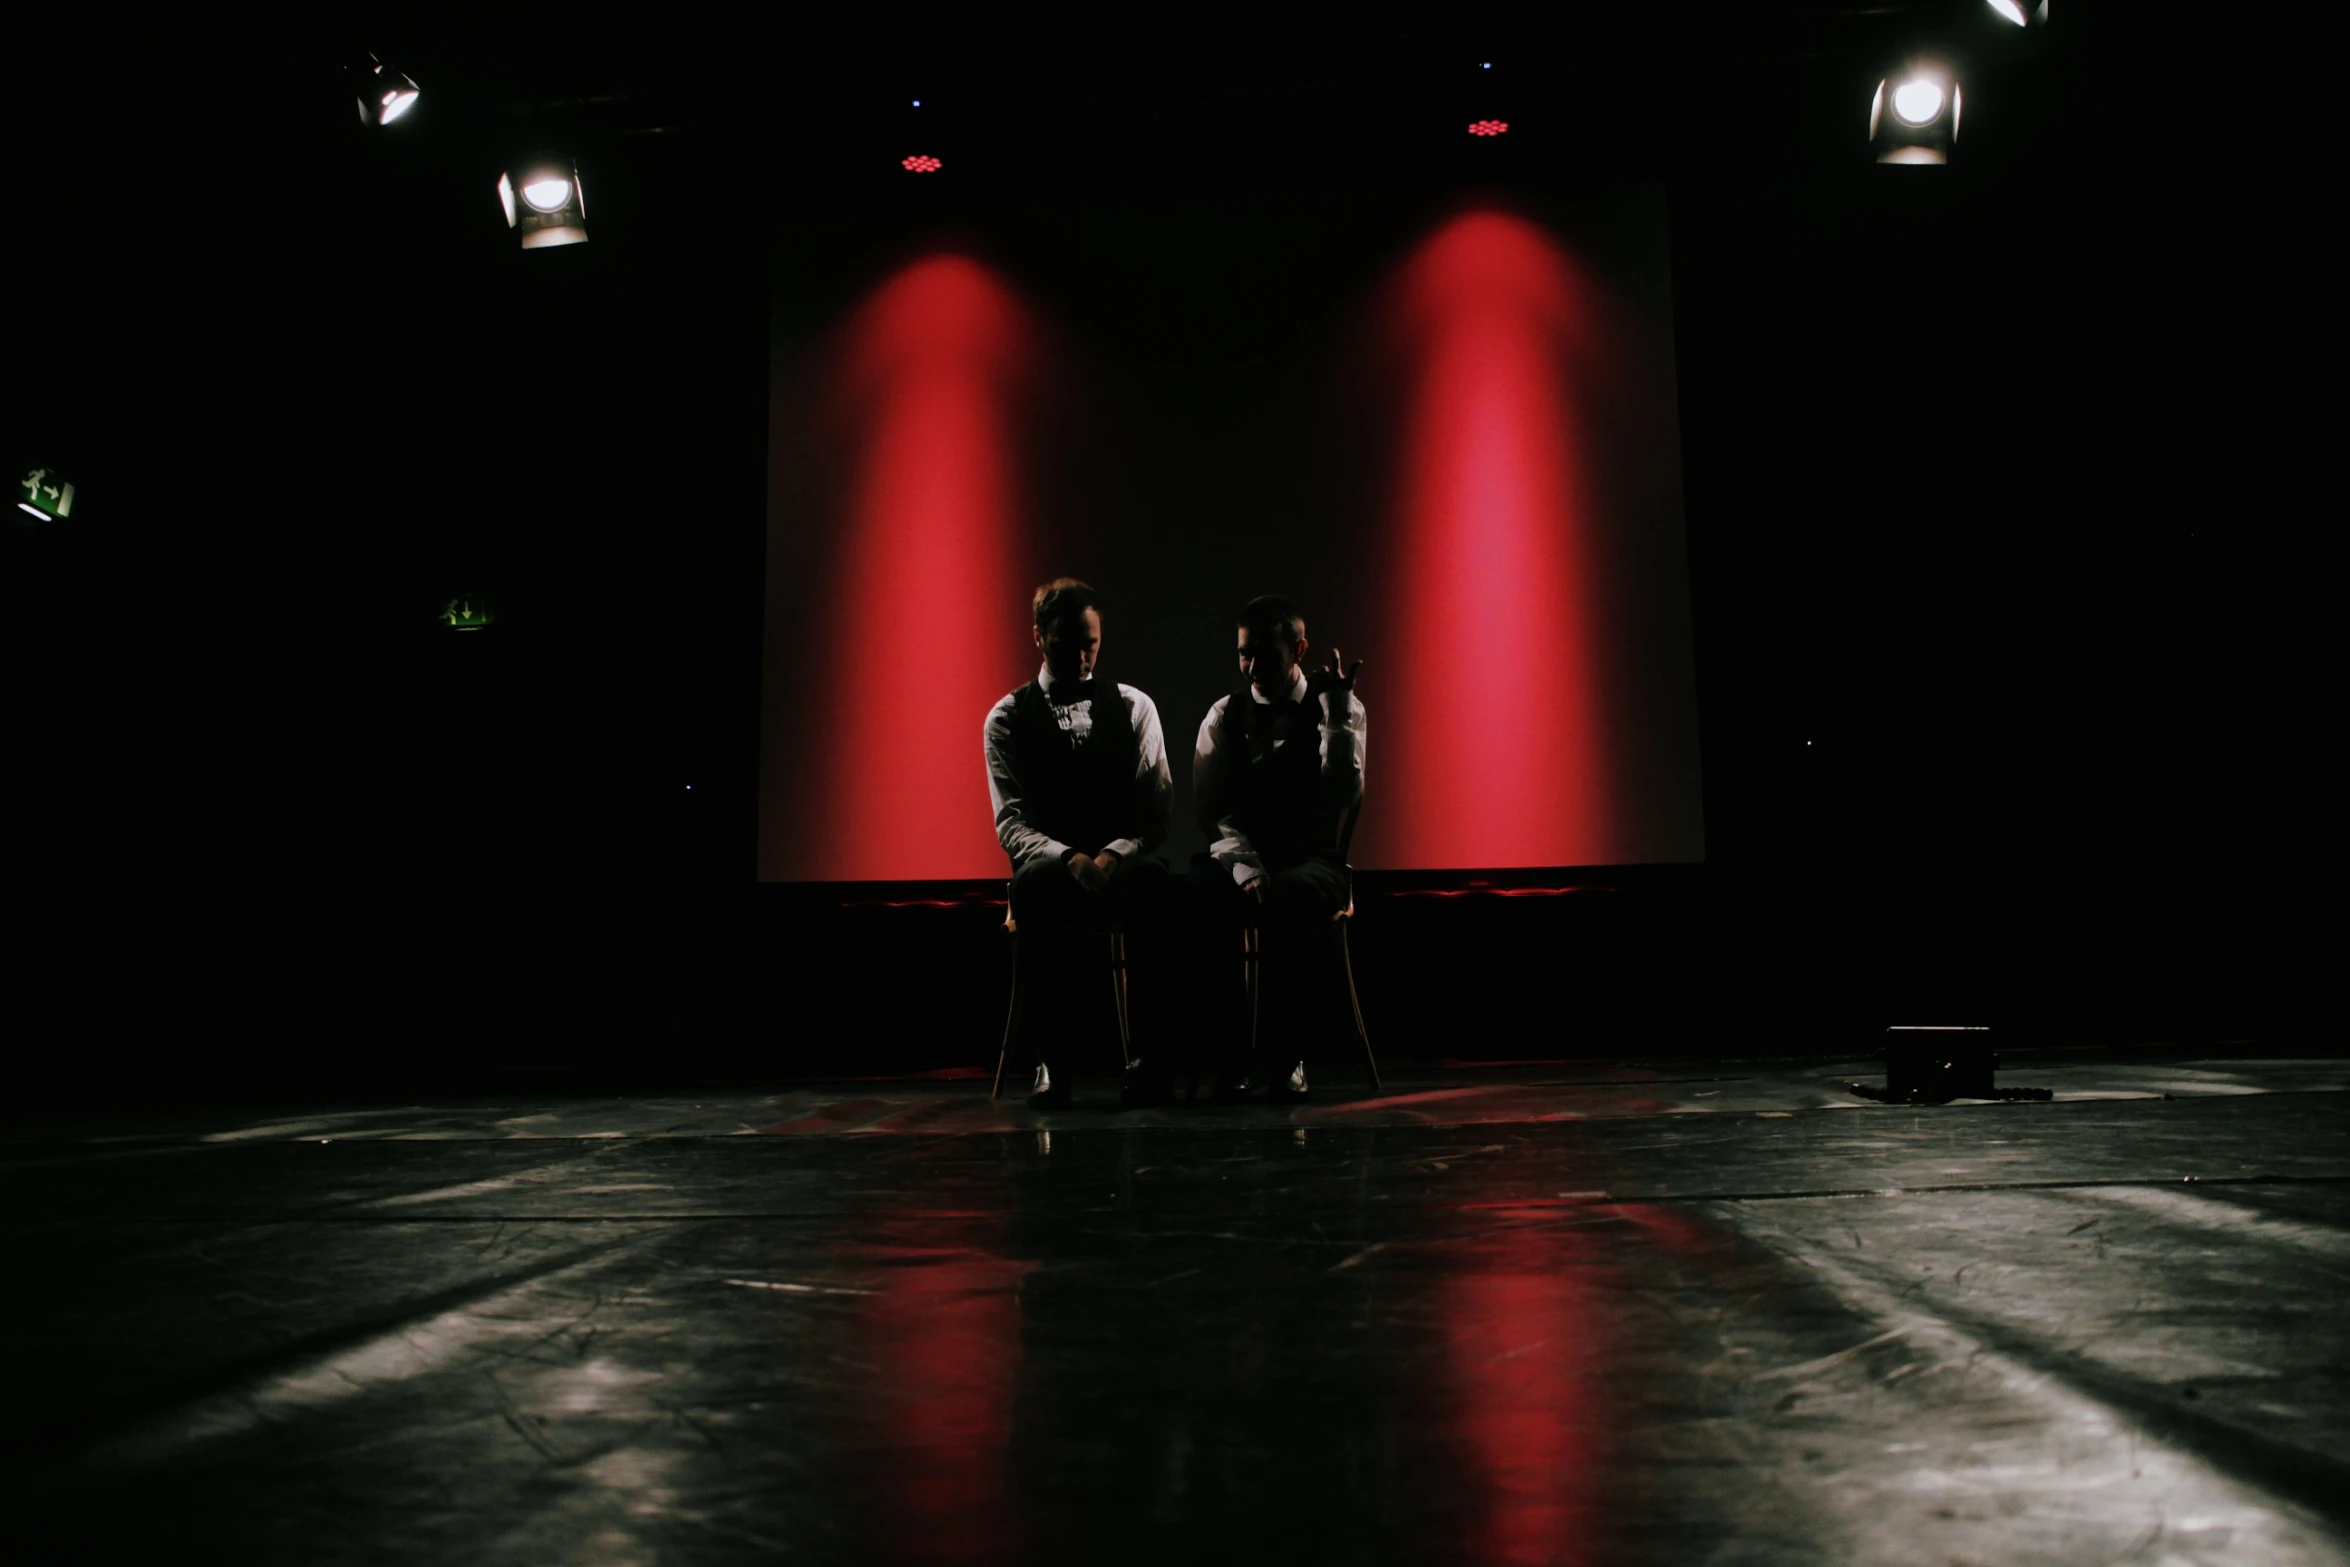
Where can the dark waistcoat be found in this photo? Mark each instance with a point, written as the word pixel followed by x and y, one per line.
pixel 1080 794
pixel 1280 801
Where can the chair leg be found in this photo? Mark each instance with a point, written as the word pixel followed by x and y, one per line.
pixel 1354 1000
pixel 1252 962
pixel 1011 1022
pixel 1118 988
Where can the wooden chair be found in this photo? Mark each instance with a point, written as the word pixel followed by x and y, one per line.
pixel 1018 1012
pixel 1252 939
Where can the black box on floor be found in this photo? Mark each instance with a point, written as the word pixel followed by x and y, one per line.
pixel 1933 1065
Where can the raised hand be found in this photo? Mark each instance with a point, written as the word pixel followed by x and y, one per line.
pixel 1336 675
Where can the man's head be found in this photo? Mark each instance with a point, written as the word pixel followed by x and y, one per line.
pixel 1272 642
pixel 1068 627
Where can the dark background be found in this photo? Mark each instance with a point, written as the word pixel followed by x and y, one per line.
pixel 1999 488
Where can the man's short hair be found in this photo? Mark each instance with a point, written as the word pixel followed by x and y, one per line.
pixel 1061 599
pixel 1271 615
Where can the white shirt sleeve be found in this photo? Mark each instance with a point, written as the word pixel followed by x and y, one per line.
pixel 1021 841
pixel 1154 781
pixel 1344 741
pixel 1211 794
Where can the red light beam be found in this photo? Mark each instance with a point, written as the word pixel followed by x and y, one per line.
pixel 1494 691
pixel 920 605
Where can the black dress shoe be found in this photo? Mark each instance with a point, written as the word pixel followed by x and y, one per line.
pixel 1047 1094
pixel 1145 1086
pixel 1291 1089
pixel 1232 1088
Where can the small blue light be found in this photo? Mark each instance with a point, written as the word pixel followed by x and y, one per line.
pixel 1489 65
pixel 917 103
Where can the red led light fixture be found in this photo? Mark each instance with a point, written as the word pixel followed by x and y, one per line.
pixel 921 163
pixel 1488 127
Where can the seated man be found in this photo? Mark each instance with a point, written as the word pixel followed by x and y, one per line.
pixel 1277 765
pixel 1078 773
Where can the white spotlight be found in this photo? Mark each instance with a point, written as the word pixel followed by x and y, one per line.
pixel 2023 13
pixel 1917 101
pixel 383 93
pixel 553 205
pixel 1923 124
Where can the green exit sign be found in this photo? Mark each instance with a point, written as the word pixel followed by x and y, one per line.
pixel 466 612
pixel 44 494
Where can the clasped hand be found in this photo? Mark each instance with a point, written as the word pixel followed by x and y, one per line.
pixel 1092 870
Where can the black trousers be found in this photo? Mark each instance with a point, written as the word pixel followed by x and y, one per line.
pixel 1300 947
pixel 1064 960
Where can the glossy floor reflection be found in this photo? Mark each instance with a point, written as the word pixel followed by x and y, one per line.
pixel 1589 1314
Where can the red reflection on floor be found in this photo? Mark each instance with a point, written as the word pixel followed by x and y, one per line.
pixel 831 1118
pixel 1519 1394
pixel 925 601
pixel 941 1340
pixel 1491 688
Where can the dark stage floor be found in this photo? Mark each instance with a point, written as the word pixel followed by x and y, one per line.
pixel 1687 1313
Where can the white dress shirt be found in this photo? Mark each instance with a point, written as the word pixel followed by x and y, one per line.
pixel 1154 785
pixel 1343 740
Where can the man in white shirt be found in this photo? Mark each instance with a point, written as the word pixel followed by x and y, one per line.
pixel 1277 767
pixel 1077 769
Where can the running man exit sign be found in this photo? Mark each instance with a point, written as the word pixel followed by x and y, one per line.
pixel 44 494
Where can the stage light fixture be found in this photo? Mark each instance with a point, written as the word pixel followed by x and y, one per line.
pixel 1488 127
pixel 2023 13
pixel 383 93
pixel 1914 117
pixel 921 163
pixel 1917 101
pixel 44 495
pixel 552 206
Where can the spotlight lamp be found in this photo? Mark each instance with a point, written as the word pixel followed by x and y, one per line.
pixel 2021 13
pixel 383 93
pixel 542 199
pixel 1914 118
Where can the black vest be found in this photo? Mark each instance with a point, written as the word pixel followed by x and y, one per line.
pixel 1081 794
pixel 1280 801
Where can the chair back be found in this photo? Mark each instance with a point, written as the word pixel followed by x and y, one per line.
pixel 1346 830
pixel 1346 837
